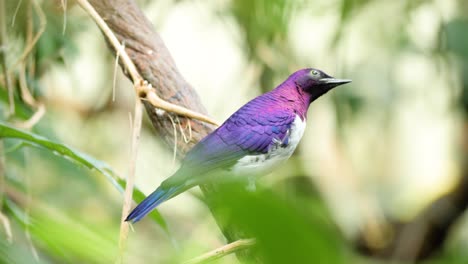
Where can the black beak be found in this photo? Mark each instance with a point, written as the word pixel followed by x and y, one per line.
pixel 332 82
pixel 326 84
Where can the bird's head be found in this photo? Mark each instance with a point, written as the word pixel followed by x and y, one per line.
pixel 315 83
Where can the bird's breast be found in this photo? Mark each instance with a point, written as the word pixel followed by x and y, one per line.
pixel 279 151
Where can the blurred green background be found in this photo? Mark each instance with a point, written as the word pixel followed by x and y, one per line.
pixel 380 176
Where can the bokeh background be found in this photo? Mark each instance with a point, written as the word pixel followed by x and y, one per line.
pixel 383 159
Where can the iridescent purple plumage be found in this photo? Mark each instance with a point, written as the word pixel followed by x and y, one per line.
pixel 252 128
pixel 258 134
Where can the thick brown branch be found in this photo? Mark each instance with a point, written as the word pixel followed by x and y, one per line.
pixel 142 88
pixel 153 61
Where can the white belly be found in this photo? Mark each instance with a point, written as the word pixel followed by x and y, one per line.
pixel 255 165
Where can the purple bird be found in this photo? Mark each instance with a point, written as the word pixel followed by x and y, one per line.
pixel 259 136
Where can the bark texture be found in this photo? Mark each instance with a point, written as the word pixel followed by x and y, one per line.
pixel 421 237
pixel 155 64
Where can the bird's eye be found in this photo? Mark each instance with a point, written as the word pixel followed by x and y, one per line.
pixel 314 73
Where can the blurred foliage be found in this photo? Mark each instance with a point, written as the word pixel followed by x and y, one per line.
pixel 22 111
pixel 29 139
pixel 265 24
pixel 284 233
pixel 49 200
pixel 7 131
pixel 456 42
pixel 53 230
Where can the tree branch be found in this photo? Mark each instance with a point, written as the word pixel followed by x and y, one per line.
pixel 142 89
pixel 223 251
pixel 153 61
pixel 32 42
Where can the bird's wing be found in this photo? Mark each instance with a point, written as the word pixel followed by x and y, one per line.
pixel 247 132
pixel 244 133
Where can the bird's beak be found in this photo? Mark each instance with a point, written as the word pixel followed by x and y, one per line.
pixel 323 85
pixel 334 82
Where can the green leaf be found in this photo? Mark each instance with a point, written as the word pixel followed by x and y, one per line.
pixel 285 231
pixel 456 37
pixel 21 110
pixel 79 158
pixel 16 254
pixel 75 156
pixel 63 237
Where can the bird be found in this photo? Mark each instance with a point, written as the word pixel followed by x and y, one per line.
pixel 253 141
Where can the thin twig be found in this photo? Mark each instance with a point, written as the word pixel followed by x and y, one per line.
pixel 27 212
pixel 129 65
pixel 3 218
pixel 2 173
pixel 189 125
pixel 174 153
pixel 16 12
pixel 34 119
pixel 64 6
pixel 7 227
pixel 30 65
pixel 136 129
pixel 157 102
pixel 31 244
pixel 143 90
pixel 116 65
pixel 29 99
pixel 30 45
pixel 182 131
pixel 3 58
pixel 223 251
pixel 23 83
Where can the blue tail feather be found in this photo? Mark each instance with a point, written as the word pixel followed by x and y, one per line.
pixel 150 202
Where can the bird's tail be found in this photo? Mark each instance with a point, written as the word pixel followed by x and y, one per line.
pixel 149 203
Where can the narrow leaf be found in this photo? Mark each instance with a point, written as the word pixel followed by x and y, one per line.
pixel 80 158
